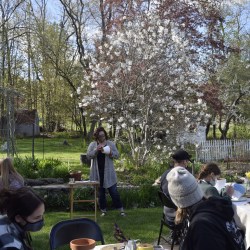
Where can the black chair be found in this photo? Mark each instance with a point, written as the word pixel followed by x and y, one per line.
pixel 65 231
pixel 176 230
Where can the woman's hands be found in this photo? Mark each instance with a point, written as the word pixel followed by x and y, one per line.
pixel 229 190
pixel 100 147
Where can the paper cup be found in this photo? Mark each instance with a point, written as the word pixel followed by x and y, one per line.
pixel 220 183
pixel 106 150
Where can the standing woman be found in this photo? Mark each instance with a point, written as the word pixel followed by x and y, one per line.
pixel 102 152
pixel 22 212
pixel 10 178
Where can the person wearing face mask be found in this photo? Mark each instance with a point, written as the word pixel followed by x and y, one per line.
pixel 207 180
pixel 102 152
pixel 211 224
pixel 22 212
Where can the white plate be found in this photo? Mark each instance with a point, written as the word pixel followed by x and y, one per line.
pixel 240 199
pixel 112 246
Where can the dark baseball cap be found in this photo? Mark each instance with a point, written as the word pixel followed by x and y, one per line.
pixel 181 155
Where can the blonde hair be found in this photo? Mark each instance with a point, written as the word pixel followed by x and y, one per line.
pixel 8 170
pixel 181 215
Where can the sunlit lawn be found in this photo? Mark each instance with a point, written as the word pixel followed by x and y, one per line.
pixel 51 148
pixel 143 224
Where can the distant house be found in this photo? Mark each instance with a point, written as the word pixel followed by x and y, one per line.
pixel 26 123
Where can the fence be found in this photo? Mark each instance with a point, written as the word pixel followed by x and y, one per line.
pixel 230 150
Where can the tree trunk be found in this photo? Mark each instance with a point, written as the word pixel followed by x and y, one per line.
pixel 92 129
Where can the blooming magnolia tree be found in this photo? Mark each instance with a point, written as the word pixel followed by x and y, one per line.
pixel 145 82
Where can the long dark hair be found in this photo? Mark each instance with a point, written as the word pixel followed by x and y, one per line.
pixel 7 170
pixel 97 131
pixel 22 201
pixel 208 169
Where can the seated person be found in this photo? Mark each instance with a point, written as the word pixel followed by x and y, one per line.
pixel 211 223
pixel 169 212
pixel 207 178
pixel 180 158
pixel 22 212
pixel 10 178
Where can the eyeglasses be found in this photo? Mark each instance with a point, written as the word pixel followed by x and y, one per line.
pixel 101 135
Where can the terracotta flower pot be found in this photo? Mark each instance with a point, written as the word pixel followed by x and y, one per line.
pixel 82 244
pixel 77 175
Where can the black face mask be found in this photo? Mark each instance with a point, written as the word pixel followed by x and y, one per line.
pixel 33 227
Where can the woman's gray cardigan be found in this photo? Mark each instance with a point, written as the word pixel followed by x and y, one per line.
pixel 110 177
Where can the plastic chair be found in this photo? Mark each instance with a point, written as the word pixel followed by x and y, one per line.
pixel 176 229
pixel 65 231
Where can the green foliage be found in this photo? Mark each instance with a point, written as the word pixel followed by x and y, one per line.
pixel 45 168
pixel 27 167
pixel 197 167
pixel 67 134
pixel 132 197
pixel 52 147
pixel 239 131
pixel 140 176
pixel 140 197
pixel 236 131
pixel 55 200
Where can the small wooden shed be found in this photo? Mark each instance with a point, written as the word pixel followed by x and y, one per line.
pixel 27 123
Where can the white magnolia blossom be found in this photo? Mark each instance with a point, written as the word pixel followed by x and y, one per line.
pixel 124 125
pixel 199 101
pixel 146 82
pixel 121 119
pixel 78 91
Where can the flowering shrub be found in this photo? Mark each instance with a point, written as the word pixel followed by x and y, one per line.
pixel 145 79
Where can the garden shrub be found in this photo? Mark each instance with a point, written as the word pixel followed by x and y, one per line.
pixel 27 167
pixel 45 168
pixel 139 197
pixel 134 197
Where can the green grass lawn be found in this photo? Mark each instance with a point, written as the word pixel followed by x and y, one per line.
pixel 143 224
pixel 51 148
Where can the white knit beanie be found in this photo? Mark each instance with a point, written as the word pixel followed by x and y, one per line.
pixel 183 187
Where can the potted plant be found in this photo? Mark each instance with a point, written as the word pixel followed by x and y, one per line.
pixel 76 174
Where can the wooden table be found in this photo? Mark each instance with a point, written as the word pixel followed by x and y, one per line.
pixel 81 184
pixel 72 187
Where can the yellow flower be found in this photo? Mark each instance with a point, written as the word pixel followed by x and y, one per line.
pixel 247 175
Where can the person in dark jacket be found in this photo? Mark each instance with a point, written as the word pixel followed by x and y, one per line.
pixel 211 223
pixel 181 158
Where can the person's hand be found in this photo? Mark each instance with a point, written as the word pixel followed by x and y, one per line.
pixel 229 190
pixel 110 154
pixel 100 147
